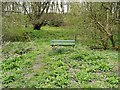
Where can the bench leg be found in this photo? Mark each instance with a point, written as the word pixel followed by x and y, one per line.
pixel 53 47
pixel 73 46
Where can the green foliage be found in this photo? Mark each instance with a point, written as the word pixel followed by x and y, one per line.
pixel 43 67
pixel 112 80
pixel 61 50
pixel 11 64
pixel 86 56
pixel 11 50
pixel 84 77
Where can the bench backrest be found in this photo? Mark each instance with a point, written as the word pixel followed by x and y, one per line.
pixel 63 41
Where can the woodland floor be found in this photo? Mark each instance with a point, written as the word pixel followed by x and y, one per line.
pixel 34 64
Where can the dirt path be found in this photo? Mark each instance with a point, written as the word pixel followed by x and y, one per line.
pixel 36 67
pixel 73 82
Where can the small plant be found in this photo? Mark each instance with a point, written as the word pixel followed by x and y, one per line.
pixel 84 77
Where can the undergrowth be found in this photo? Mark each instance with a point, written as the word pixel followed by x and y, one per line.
pixel 36 64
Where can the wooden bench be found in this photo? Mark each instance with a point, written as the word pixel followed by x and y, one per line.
pixel 63 43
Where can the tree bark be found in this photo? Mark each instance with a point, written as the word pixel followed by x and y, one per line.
pixel 39 25
pixel 110 35
pixel 36 27
pixel 112 40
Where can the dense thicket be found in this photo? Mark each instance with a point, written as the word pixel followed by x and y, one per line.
pixel 98 22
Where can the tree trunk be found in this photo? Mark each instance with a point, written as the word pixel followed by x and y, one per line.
pixel 110 35
pixel 112 40
pixel 37 26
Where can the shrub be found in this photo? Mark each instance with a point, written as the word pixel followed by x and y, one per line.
pixel 55 20
pixel 12 28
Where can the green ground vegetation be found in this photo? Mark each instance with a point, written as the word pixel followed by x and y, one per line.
pixel 35 64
